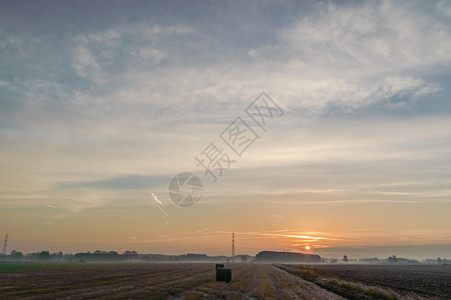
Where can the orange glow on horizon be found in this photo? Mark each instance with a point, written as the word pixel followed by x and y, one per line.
pixel 307 247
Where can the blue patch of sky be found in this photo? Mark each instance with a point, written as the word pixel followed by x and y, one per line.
pixel 127 182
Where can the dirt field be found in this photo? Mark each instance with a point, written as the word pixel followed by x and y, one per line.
pixel 197 281
pixel 426 280
pixel 404 281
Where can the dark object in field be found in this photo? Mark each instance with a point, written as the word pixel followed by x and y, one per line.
pixel 223 275
pixel 219 266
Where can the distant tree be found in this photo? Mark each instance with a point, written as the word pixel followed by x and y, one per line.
pixel 44 255
pixel 273 256
pixel 68 257
pixel 439 260
pixel 15 255
pixel 393 259
pixel 57 256
pixel 131 255
pixel 345 259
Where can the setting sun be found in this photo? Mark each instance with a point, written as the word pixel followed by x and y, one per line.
pixel 307 247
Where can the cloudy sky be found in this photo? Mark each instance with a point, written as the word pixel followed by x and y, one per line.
pixel 102 103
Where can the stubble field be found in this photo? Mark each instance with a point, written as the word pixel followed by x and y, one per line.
pixel 249 281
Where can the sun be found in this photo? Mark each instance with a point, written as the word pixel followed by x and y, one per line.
pixel 307 247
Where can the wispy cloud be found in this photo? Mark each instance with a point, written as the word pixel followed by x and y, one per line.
pixel 280 233
pixel 127 182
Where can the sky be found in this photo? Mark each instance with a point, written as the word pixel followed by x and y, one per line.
pixel 103 103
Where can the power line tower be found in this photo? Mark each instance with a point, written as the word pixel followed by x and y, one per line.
pixel 4 246
pixel 233 247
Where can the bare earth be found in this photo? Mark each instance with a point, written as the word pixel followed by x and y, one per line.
pixel 197 281
pixel 424 280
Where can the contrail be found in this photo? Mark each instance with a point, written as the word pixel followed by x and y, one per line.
pixel 156 199
pixel 159 204
pixel 163 211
